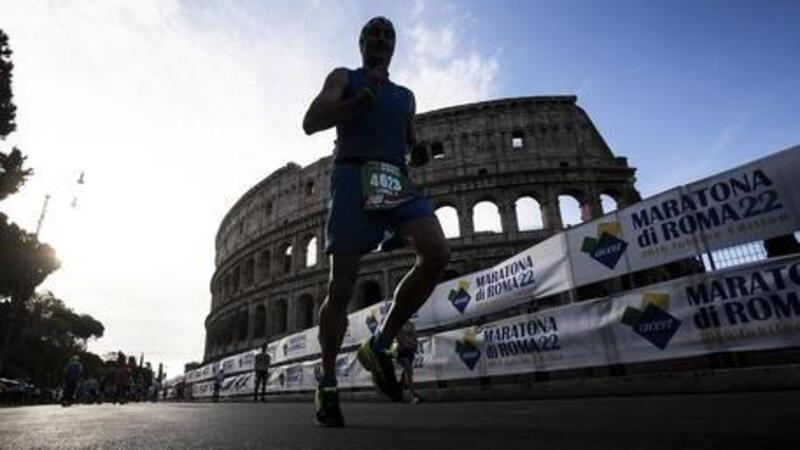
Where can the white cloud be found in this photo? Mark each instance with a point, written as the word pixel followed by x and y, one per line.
pixel 174 113
pixel 444 71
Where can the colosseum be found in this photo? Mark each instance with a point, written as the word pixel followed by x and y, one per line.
pixel 511 157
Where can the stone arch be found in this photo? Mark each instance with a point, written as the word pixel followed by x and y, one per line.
pixel 260 321
pixel 227 284
pixel 486 216
pixel 529 213
pixel 236 279
pixel 448 218
pixel 249 271
pixel 278 315
pixel 242 325
pixel 517 139
pixel 437 150
pixel 312 250
pixel 228 329
pixel 608 203
pixel 264 264
pixel 569 207
pixel 304 312
pixel 284 258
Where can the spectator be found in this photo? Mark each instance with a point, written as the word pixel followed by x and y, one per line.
pixel 218 378
pixel 72 374
pixel 263 361
pixel 124 379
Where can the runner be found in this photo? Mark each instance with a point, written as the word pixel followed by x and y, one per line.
pixel 373 203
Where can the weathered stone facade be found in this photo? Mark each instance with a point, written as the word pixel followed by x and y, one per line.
pixel 498 151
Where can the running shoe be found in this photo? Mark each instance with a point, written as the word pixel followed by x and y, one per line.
pixel 381 366
pixel 326 399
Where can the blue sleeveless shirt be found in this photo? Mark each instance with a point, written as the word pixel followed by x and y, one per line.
pixel 380 131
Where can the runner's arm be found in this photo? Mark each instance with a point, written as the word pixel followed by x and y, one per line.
pixel 417 154
pixel 328 109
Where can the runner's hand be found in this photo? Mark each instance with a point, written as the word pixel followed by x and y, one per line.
pixel 376 76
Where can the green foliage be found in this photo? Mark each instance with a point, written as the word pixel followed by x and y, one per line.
pixel 8 110
pixel 12 172
pixel 52 334
pixel 26 262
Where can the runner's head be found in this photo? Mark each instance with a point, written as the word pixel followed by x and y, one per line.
pixel 377 42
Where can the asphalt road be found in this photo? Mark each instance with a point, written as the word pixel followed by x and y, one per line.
pixel 725 421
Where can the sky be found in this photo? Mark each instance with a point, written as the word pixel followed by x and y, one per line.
pixel 173 109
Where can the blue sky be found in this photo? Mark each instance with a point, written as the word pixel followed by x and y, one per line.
pixel 682 88
pixel 175 108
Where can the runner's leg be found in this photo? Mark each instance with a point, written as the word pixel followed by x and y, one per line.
pixel 427 239
pixel 333 312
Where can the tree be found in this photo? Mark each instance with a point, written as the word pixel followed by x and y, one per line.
pixel 25 262
pixel 12 172
pixel 52 334
pixel 8 111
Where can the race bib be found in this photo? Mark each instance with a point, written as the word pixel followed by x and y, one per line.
pixel 384 186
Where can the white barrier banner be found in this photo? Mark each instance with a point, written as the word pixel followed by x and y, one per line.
pixel 296 346
pixel 753 202
pixel 241 362
pixel 755 307
pixel 205 372
pixel 242 384
pixel 203 390
pixel 365 322
pixel 749 203
pixel 538 271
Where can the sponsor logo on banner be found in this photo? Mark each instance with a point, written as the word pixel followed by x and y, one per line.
pixel 459 297
pixel 607 248
pixel 748 304
pixel 272 350
pixel 342 368
pixel 229 365
pixel 653 322
pixel 375 315
pixel 508 279
pixel 291 376
pixel 372 323
pixel 723 205
pixel 246 360
pixel 235 385
pixel 467 349
pixel 419 355
pixel 294 344
pixel 531 336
